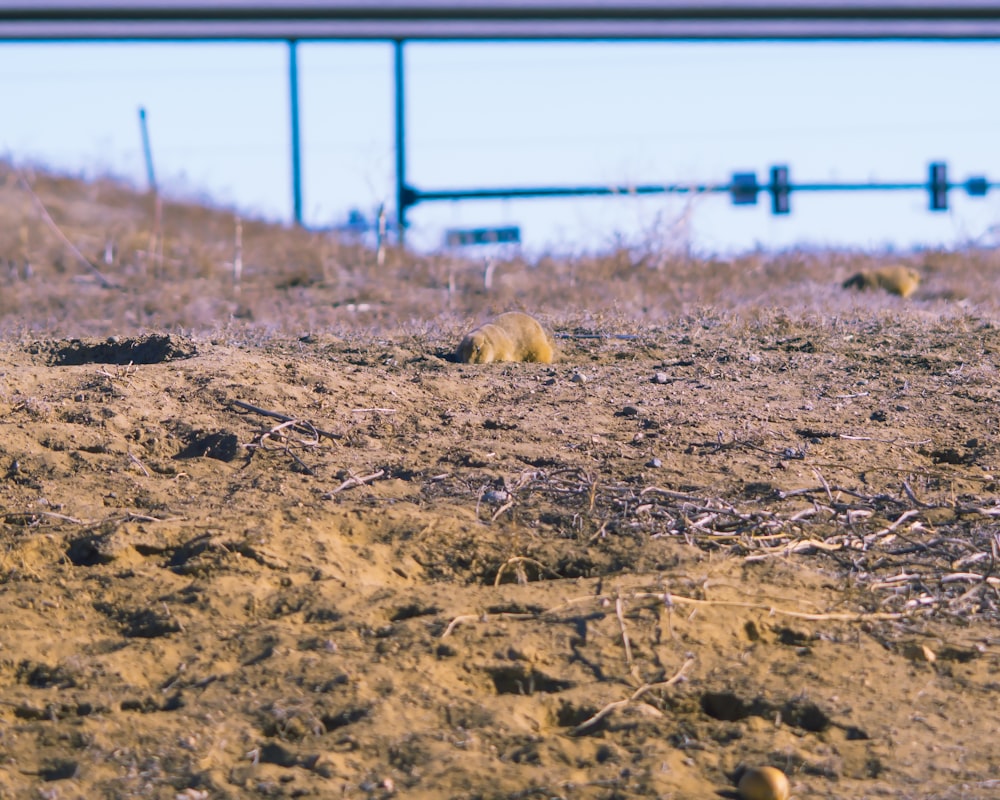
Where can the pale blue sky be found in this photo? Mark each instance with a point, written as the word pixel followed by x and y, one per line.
pixel 501 114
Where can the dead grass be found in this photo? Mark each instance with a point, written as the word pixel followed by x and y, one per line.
pixel 296 281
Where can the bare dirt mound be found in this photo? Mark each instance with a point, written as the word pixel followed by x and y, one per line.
pixel 350 567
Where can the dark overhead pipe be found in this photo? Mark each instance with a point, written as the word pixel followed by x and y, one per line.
pixel 501 19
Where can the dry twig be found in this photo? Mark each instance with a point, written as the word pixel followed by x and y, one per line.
pixel 138 463
pixel 620 613
pixel 355 480
pixel 28 517
pixel 648 687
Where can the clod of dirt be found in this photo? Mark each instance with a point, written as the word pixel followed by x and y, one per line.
pixel 141 623
pixel 805 715
pixel 59 770
pixel 220 445
pixel 950 455
pixel 153 349
pixel 98 548
pixel 728 707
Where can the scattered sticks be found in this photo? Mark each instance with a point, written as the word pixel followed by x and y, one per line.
pixel 303 427
pixel 870 535
pixel 278 437
pixel 669 599
pixel 647 687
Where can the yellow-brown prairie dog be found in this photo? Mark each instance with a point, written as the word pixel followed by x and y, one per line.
pixel 510 337
pixel 897 280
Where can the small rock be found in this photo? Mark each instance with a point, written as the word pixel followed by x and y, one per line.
pixel 661 377
pixel 764 783
pixel 919 652
pixel 630 411
pixel 496 496
pixel 579 377
pixel 655 463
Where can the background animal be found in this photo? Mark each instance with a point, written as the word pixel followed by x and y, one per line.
pixel 896 279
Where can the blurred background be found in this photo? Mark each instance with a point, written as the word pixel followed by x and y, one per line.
pixel 530 114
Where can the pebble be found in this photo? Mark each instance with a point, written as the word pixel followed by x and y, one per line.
pixel 764 783
pixel 661 377
pixel 579 377
pixel 655 463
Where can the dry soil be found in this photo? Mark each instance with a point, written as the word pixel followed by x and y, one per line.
pixel 270 540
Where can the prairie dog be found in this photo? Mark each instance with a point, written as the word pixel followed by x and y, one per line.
pixel 510 337
pixel 897 280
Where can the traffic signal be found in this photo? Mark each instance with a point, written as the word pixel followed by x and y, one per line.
pixel 977 187
pixel 938 186
pixel 744 188
pixel 780 191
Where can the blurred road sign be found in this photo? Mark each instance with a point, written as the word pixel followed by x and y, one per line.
pixel 458 237
pixel 780 203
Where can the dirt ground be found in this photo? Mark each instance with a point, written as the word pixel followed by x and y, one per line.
pixel 296 551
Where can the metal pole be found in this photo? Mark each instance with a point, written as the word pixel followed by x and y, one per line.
pixel 293 94
pixel 401 193
pixel 147 150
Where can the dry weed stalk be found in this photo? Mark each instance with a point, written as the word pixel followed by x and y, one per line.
pixel 238 255
pixel 122 374
pixel 47 219
pixel 380 236
pixel 620 614
pixel 155 249
pixel 517 563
